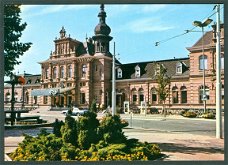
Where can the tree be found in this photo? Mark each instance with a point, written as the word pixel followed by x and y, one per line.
pixel 93 106
pixel 13 28
pixel 163 81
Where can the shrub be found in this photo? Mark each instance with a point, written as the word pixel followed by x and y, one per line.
pixel 69 131
pixel 190 114
pixel 208 116
pixel 56 128
pixel 43 147
pixel 88 125
pixel 110 129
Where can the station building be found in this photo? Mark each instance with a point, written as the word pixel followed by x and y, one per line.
pixel 78 72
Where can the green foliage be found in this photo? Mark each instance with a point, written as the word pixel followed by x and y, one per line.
pixel 43 147
pixel 56 128
pixel 110 129
pixel 78 141
pixel 208 116
pixel 88 125
pixel 69 131
pixel 13 28
pixel 93 106
pixel 163 81
pixel 190 114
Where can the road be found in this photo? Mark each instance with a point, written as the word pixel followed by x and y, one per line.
pixel 172 124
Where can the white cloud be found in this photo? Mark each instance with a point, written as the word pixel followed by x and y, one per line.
pixel 146 25
pixel 37 10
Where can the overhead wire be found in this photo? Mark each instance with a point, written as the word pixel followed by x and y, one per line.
pixel 186 31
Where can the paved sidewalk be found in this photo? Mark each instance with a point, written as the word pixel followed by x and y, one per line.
pixel 179 146
pixel 176 146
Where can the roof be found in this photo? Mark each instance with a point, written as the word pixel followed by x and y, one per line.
pixel 206 39
pixel 147 69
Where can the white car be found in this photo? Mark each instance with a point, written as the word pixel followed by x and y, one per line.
pixel 76 111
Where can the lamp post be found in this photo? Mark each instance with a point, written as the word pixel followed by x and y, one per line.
pixel 202 25
pixel 113 84
pixel 218 78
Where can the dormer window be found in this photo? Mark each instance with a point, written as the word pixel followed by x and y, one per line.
pixel 29 81
pixel 179 68
pixel 137 72
pixel 119 73
pixel 37 80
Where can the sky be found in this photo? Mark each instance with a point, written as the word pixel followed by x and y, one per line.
pixel 135 29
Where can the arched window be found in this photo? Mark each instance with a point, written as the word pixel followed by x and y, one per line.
pixel 54 72
pixel 84 70
pixel 35 99
pixel 61 72
pixel 175 94
pixel 7 97
pixel 202 62
pixel 46 73
pixel 16 96
pixel 222 61
pixel 27 97
pixel 201 94
pixel 119 73
pixel 69 71
pixel 222 91
pixel 134 96
pixel 154 95
pixel 184 95
pixel 141 95
pixel 137 72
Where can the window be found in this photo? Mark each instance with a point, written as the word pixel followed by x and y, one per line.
pixel 119 73
pixel 7 97
pixel 153 95
pixel 29 81
pixel 84 70
pixel 222 61
pixel 183 94
pixel 202 62
pixel 69 71
pixel 141 95
pixel 175 94
pixel 222 92
pixel 134 96
pixel 54 72
pixel 45 100
pixel 179 67
pixel 61 72
pixel 69 84
pixel 35 99
pixel 37 80
pixel 137 72
pixel 82 98
pixel 46 73
pixel 16 96
pixel 201 94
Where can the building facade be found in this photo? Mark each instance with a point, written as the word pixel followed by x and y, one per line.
pixel 78 72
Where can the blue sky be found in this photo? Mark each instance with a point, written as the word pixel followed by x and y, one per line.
pixel 135 29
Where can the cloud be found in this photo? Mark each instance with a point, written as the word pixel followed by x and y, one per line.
pixel 146 25
pixel 38 10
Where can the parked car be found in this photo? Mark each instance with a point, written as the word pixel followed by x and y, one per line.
pixel 75 111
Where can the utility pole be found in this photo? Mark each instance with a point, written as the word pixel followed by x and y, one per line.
pixel 218 78
pixel 113 84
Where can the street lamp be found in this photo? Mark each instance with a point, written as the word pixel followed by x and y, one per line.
pixel 202 25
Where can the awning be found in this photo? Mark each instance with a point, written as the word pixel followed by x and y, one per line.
pixel 50 91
